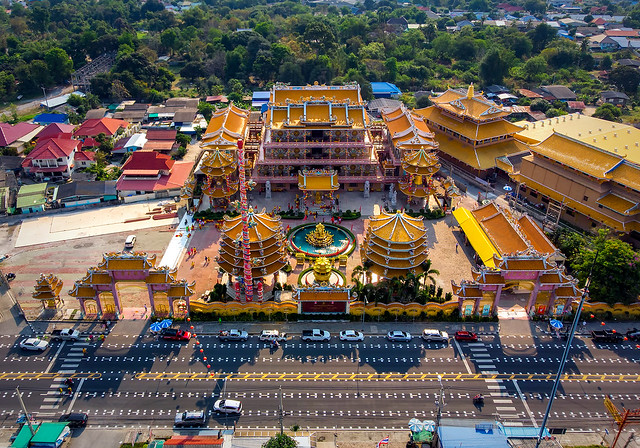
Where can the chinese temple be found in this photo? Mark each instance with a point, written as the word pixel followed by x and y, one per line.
pixel 266 243
pixel 48 289
pixel 98 294
pixel 217 170
pixel 472 130
pixel 394 244
pixel 316 139
pixel 512 253
pixel 413 149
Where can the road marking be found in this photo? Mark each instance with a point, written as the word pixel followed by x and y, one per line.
pixel 53 360
pixel 524 402
pixel 75 396
pixel 464 359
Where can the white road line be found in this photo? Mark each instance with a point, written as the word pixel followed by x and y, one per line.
pixel 524 402
pixel 505 408
pixel 500 401
pixel 73 400
pixel 464 360
pixel 56 356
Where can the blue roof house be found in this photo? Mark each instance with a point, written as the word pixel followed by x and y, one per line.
pixel 259 98
pixel 45 119
pixel 483 434
pixel 385 90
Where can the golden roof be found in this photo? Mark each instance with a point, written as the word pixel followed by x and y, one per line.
pixel 82 291
pixel 536 236
pixel 486 277
pixel 261 226
pixel 188 187
pixel 318 180
pixel 283 94
pixel 520 263
pixel 408 130
pixel 323 295
pixel 396 227
pixel 96 277
pixel 618 139
pixel 217 163
pixel 220 188
pixel 469 129
pixel 500 229
pixel 420 162
pixel 413 190
pixel 467 290
pixel 116 261
pixel 477 236
pixel 468 104
pixel 161 276
pixel 619 204
pixel 181 289
pixel 551 277
pixel 628 175
pixel 226 127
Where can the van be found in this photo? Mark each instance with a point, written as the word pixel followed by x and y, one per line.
pixel 129 242
pixel 272 335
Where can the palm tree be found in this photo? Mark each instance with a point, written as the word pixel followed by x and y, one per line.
pixel 427 273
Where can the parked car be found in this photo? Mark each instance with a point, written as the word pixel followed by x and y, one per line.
pixel 174 334
pixel 399 336
pixel 351 335
pixel 466 336
pixel 190 419
pixel 431 335
pixel 225 406
pixel 75 419
pixel 272 335
pixel 315 335
pixel 233 335
pixel 34 344
pixel 130 242
pixel 633 335
pixel 606 336
pixel 68 334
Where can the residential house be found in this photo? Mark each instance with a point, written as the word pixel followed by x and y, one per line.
pixel 73 194
pixel 260 99
pixel 509 8
pixel 95 114
pixel 557 92
pixel 84 159
pixel 183 120
pixel 620 43
pixel 147 172
pixel 215 99
pixel 52 103
pixel 615 98
pixel 161 140
pixel 571 23
pixel 46 119
pixel 587 31
pixel 576 106
pixel 377 106
pixel 55 158
pixel 461 24
pixel 32 198
pixel 529 94
pixel 55 130
pixel 629 62
pixel 90 129
pixel 397 24
pixel 18 135
pixel 130 144
pixel 628 32
pixel 133 113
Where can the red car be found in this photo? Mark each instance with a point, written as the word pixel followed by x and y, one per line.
pixel 466 336
pixel 174 334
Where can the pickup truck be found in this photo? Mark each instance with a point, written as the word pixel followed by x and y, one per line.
pixel 233 335
pixel 315 335
pixel 606 336
pixel 68 334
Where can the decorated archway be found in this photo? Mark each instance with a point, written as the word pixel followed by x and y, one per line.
pixel 98 294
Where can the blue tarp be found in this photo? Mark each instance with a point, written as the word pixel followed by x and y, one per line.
pixel 45 119
pixel 384 90
pixel 522 432
pixel 485 434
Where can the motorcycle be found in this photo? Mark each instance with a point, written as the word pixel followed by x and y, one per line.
pixel 10 276
pixel 478 399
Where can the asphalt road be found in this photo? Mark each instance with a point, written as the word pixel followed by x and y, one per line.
pixel 139 381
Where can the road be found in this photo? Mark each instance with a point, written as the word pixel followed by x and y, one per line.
pixel 140 381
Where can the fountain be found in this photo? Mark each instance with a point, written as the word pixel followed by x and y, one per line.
pixel 319 237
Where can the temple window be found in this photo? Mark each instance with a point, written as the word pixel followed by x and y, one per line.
pixel 585 198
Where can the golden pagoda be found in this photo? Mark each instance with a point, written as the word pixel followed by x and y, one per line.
pixel 217 168
pixel 48 289
pixel 414 150
pixel 473 131
pixel 394 244
pixel 266 241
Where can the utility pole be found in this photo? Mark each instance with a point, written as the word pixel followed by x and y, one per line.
pixel 281 412
pixel 565 354
pixel 440 403
pixel 24 409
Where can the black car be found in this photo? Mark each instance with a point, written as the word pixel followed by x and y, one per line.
pixel 75 419
pixel 633 335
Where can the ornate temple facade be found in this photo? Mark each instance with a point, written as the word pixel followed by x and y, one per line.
pixel 511 253
pixel 394 245
pixel 217 171
pixel 98 294
pixel 317 139
pixel 472 130
pixel 266 239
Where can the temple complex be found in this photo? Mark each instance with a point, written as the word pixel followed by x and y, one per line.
pixel 48 289
pixel 472 130
pixel 394 245
pixel 216 173
pixel 266 240
pixel 512 253
pixel 317 139
pixel 412 149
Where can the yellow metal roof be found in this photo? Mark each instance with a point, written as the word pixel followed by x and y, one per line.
pixel 499 229
pixel 619 204
pixel 216 159
pixel 281 93
pixel 477 237
pixel 469 129
pixel 619 139
pixel 536 236
pixel 628 175
pixel 468 104
pixel 481 158
pixel 426 160
pixel 396 227
pixel 262 226
pixel 318 180
pixel 226 127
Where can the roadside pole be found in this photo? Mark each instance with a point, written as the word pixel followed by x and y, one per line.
pixel 24 409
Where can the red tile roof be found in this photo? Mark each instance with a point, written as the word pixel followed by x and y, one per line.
pixel 529 94
pixel 107 126
pixel 576 105
pixel 176 179
pixel 622 33
pixel 55 129
pixel 147 160
pixel 85 155
pixel 162 134
pixel 11 133
pixel 51 149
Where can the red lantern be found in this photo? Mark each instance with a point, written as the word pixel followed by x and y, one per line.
pixel 603 324
pixel 208 367
pixel 194 335
pixel 591 316
pixel 205 358
pixel 188 319
pixel 191 327
pixel 201 350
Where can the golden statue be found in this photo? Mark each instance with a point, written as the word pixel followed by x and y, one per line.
pixel 322 270
pixel 319 237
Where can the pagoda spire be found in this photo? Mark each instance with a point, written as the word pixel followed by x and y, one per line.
pixel 470 91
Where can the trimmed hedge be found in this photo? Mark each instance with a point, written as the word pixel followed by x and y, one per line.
pixel 210 215
pixel 348 215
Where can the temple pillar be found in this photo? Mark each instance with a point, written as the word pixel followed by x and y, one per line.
pixel 534 296
pixel 116 298
pixel 267 190
pixel 496 301
pixel 83 313
pixel 170 299
pixel 552 302
pixel 99 305
pixel 460 302
pixel 476 305
pixel 150 291
pixel 186 301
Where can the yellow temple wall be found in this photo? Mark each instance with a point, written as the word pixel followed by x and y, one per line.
pixel 431 309
pixel 236 308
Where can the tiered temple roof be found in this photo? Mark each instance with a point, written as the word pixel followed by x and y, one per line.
pixel 266 241
pixel 47 287
pixel 408 131
pixel 225 128
pixel 395 244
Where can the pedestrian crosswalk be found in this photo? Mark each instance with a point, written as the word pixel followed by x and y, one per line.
pixel 59 392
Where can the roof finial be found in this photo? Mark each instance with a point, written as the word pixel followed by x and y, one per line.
pixel 470 91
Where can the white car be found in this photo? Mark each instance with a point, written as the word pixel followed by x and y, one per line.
pixel 228 406
pixel 130 242
pixel 35 344
pixel 233 335
pixel 272 335
pixel 399 336
pixel 431 335
pixel 351 335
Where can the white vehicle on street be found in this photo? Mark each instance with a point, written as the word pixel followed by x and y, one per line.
pixel 34 344
pixel 351 335
pixel 399 336
pixel 315 335
pixel 431 335
pixel 233 335
pixel 225 406
pixel 272 335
